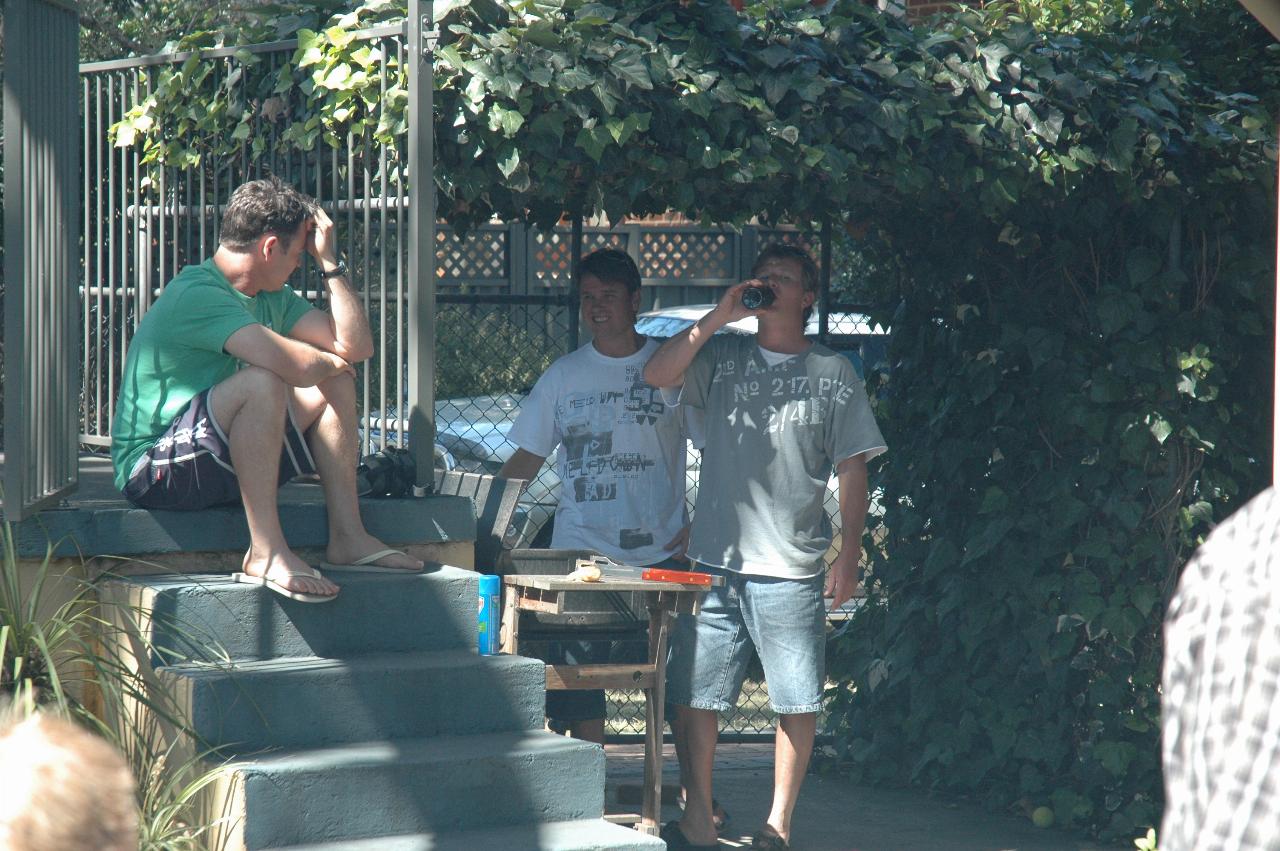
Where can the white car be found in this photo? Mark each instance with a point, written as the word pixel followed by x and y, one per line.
pixel 474 429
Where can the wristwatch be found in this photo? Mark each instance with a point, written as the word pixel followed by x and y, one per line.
pixel 336 271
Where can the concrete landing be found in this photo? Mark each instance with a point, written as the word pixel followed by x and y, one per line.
pixel 835 814
pixel 586 835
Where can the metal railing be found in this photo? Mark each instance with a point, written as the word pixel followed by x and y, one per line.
pixel 141 230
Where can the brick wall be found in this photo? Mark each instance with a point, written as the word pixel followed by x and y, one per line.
pixel 920 9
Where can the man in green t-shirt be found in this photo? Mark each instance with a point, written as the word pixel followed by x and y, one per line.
pixel 781 413
pixel 235 384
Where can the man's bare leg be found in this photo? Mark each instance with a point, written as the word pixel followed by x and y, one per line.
pixel 718 812
pixel 696 733
pixel 326 413
pixel 791 752
pixel 250 408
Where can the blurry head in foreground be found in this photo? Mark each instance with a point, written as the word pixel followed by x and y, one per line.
pixel 65 789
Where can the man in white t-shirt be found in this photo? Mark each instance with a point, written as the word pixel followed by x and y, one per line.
pixel 622 450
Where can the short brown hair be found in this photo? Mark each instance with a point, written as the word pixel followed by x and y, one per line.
pixel 612 267
pixel 782 251
pixel 65 790
pixel 809 274
pixel 263 207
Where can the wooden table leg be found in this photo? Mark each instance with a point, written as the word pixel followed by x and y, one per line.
pixel 510 634
pixel 655 698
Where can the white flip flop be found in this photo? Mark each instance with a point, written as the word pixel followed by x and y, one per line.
pixel 272 585
pixel 366 564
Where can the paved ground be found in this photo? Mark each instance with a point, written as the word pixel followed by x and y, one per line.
pixel 836 815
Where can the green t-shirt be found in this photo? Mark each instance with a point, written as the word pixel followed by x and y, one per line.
pixel 774 434
pixel 177 353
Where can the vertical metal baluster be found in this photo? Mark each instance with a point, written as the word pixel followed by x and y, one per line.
pixel 382 276
pixel 349 246
pixel 161 196
pixel 366 192
pixel 401 359
pixel 111 252
pixel 90 237
pixel 101 261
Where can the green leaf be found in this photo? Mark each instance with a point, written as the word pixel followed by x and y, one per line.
pixel 508 163
pixel 126 134
pixel 595 14
pixel 1144 598
pixel 592 141
pixel 1160 428
pixel 542 34
pixel 441 8
pixel 307 39
pixel 776 87
pixel 881 67
pixel 775 55
pixel 336 78
pixel 339 36
pixel 630 66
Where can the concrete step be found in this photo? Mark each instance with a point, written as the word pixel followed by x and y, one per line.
pixel 431 786
pixel 312 702
pixel 113 527
pixel 582 835
pixel 207 616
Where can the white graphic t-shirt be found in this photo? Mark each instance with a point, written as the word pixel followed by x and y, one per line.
pixel 621 454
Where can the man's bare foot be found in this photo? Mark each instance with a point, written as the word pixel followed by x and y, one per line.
pixel 352 549
pixel 284 568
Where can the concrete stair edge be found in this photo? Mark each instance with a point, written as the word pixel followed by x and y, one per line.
pixel 208 617
pixel 344 700
pixel 441 784
pixel 116 528
pixel 579 835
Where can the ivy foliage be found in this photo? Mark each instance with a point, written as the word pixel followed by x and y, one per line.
pixel 1069 233
pixel 1077 395
pixel 566 106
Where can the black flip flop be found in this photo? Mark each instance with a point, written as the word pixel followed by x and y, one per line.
pixel 768 839
pixel 677 841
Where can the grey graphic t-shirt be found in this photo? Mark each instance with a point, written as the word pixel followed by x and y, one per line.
pixel 774 434
pixel 621 454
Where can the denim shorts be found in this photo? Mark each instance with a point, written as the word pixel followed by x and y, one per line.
pixel 783 618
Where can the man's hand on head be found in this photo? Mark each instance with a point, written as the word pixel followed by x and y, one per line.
pixel 322 239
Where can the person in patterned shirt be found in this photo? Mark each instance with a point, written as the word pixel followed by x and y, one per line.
pixel 1221 720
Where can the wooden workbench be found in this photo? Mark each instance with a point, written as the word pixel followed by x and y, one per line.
pixel 543 593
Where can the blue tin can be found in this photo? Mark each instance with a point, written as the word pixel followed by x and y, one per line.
pixel 490 614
